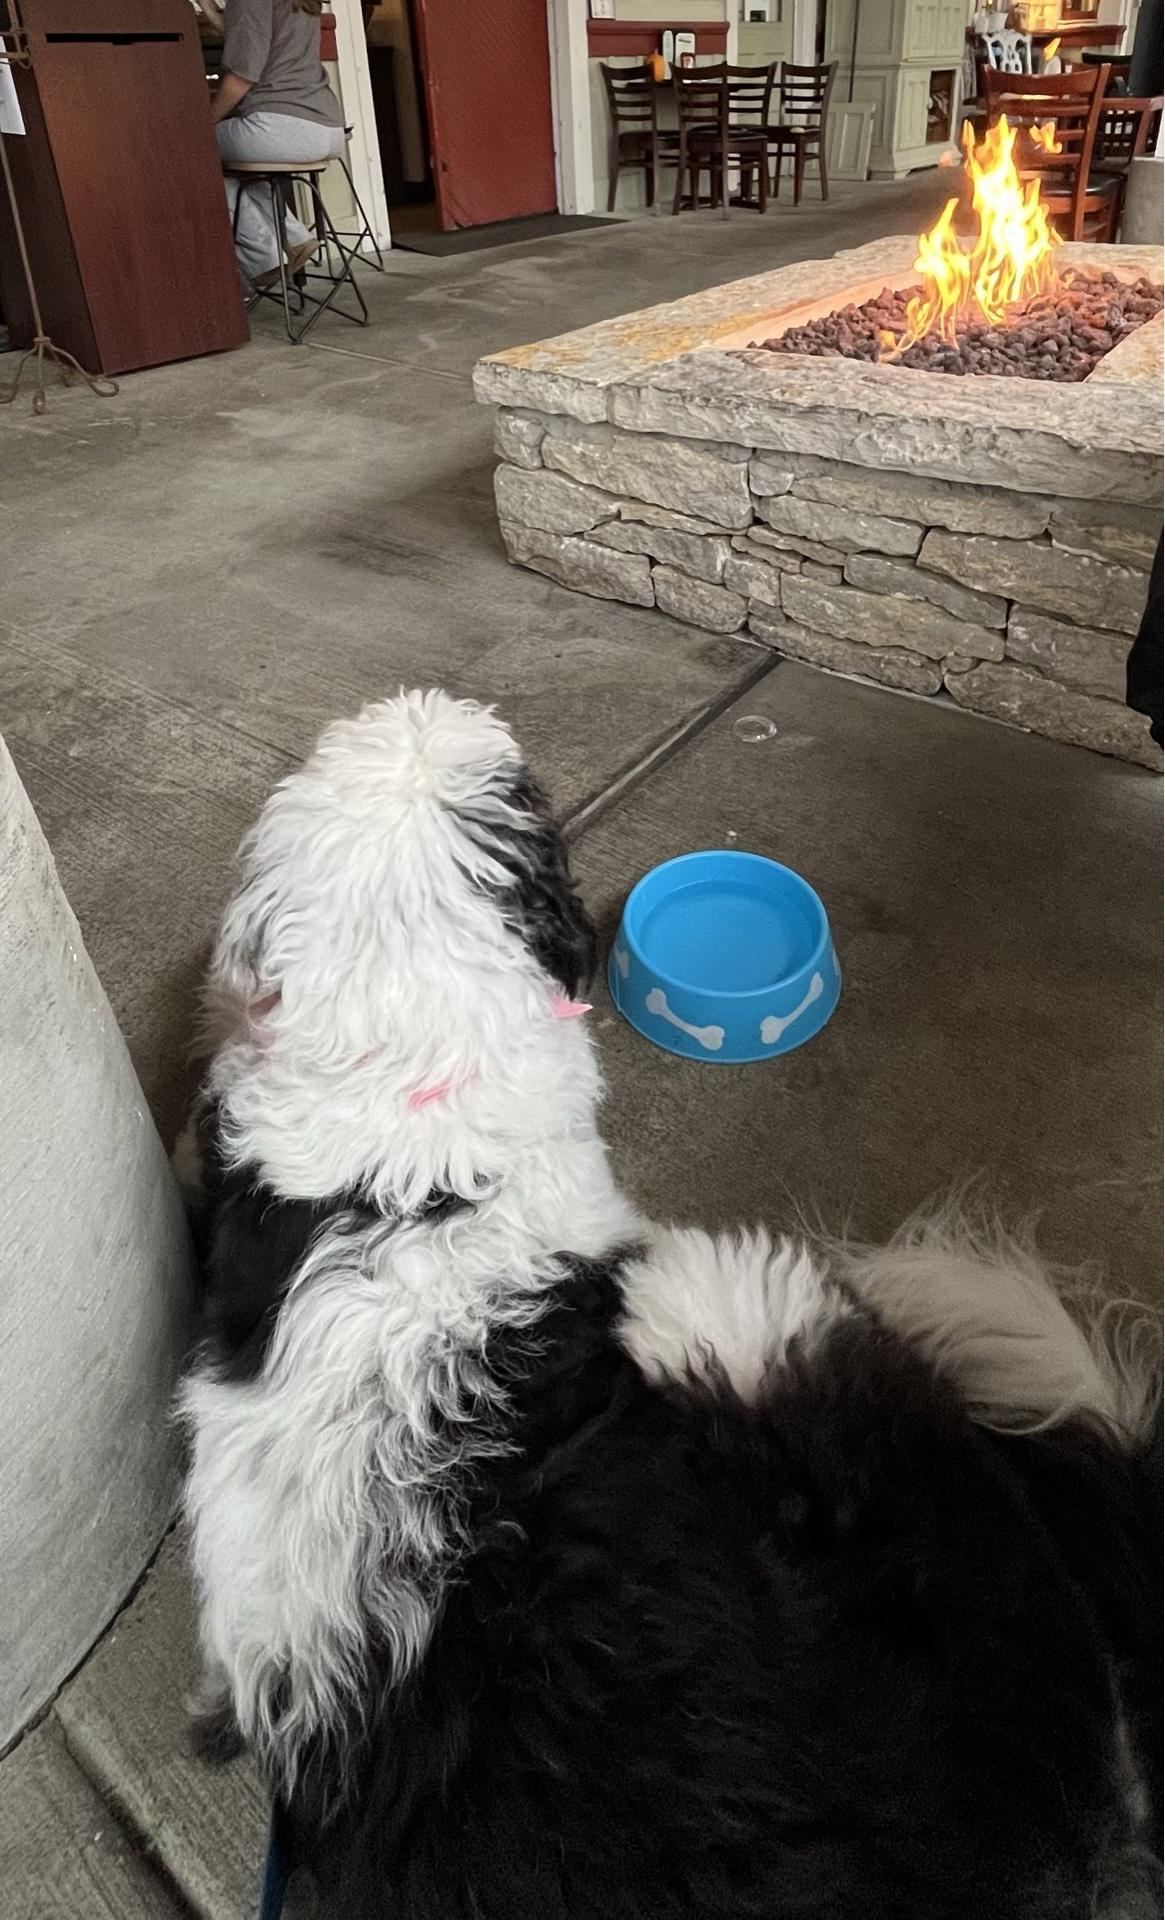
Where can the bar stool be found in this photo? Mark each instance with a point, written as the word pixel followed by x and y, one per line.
pixel 280 178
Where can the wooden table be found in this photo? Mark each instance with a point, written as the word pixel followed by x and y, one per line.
pixel 119 187
pixel 1080 33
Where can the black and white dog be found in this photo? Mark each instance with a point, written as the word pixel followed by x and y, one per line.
pixel 559 1566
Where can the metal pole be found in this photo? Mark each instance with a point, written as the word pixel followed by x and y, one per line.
pixel 42 348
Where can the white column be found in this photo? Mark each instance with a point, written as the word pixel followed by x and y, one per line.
pixel 570 101
pixel 360 115
pixel 804 52
pixel 96 1289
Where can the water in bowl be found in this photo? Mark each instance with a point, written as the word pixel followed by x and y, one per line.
pixel 727 938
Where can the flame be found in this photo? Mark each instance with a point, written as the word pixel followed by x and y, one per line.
pixel 1044 137
pixel 1010 257
pixel 1051 50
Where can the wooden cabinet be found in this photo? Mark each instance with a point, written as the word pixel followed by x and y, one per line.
pixel 119 187
pixel 907 66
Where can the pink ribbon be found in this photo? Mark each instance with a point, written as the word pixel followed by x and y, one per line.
pixel 421 1096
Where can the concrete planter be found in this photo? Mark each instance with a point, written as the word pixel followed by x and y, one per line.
pixel 95 1288
pixel 1144 210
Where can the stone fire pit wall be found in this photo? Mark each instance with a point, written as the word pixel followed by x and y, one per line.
pixel 989 538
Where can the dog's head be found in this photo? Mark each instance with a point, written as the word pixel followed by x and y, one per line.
pixel 395 976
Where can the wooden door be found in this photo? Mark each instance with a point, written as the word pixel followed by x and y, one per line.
pixel 487 85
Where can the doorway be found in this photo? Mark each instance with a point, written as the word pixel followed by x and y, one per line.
pixel 462 101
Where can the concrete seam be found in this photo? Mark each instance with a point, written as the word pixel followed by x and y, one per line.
pixel 639 770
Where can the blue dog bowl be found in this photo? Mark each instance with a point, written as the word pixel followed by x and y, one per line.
pixel 724 957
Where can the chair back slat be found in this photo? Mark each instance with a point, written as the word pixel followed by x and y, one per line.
pixel 750 92
pixel 804 93
pixel 702 97
pixel 631 97
pixel 1072 101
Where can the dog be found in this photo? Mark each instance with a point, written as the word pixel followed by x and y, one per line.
pixel 557 1565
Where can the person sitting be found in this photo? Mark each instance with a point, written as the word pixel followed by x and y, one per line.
pixel 273 102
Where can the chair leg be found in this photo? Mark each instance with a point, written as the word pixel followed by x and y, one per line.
pixel 322 239
pixel 762 185
pixel 798 172
pixel 345 276
pixel 616 161
pixel 681 168
pixel 821 165
pixel 723 185
pixel 279 215
pixel 366 224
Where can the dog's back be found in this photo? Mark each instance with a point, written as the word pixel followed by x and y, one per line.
pixel 806 1641
pixel 658 1577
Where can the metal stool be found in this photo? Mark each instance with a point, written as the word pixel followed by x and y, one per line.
pixel 280 176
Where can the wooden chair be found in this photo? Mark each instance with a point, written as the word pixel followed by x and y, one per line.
pixel 1118 64
pixel 1008 52
pixel 708 139
pixel 1082 205
pixel 636 137
pixel 1127 129
pixel 803 107
pixel 750 97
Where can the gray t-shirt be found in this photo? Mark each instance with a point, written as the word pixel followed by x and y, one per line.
pixel 277 48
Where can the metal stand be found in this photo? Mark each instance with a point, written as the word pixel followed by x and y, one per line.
pixel 43 351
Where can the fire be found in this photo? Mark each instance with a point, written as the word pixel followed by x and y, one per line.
pixel 1044 137
pixel 1010 257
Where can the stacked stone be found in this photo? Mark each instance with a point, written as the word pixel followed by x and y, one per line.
pixel 1018 605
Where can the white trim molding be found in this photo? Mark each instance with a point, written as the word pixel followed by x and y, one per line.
pixel 804 49
pixel 570 105
pixel 360 114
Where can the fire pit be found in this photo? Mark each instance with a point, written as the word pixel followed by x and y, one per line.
pixel 1057 336
pixel 997 306
pixel 982 539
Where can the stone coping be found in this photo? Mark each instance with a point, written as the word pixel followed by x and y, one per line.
pixel 664 370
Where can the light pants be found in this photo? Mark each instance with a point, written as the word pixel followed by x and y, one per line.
pixel 269 136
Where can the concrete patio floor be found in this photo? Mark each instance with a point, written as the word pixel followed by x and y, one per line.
pixel 203 570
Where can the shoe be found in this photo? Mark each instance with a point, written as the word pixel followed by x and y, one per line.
pixel 297 259
pixel 299 256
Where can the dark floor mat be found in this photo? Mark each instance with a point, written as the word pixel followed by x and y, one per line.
pixel 503 233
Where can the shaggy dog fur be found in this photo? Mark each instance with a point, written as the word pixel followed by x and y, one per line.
pixel 558 1566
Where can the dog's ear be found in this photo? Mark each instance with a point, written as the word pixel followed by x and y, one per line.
pixel 237 969
pixel 541 903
